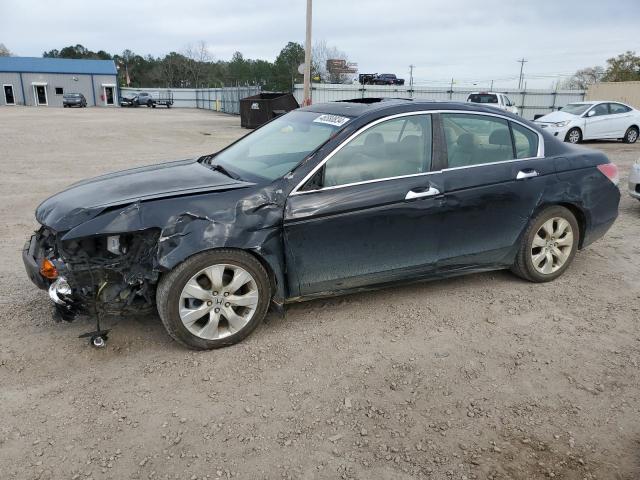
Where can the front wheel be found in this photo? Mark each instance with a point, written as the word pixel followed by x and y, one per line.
pixel 631 135
pixel 548 245
pixel 573 136
pixel 214 299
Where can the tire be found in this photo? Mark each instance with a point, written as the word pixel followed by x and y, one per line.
pixel 631 135
pixel 573 136
pixel 149 103
pixel 524 264
pixel 173 300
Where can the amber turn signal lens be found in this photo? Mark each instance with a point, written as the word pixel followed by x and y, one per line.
pixel 48 269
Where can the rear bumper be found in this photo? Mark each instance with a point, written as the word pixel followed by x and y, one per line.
pixel 602 213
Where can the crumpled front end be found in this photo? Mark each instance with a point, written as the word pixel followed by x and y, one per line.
pixel 97 274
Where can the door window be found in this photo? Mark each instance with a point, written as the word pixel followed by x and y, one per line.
pixel 600 109
pixel 393 148
pixel 476 139
pixel 618 108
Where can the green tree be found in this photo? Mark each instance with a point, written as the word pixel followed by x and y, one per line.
pixel 286 66
pixel 623 68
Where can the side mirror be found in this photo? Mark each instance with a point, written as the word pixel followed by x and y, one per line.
pixel 591 113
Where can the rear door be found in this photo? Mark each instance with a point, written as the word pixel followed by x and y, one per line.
pixel 620 119
pixel 494 179
pixel 369 214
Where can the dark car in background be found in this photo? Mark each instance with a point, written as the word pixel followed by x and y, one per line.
pixel 324 200
pixel 380 79
pixel 74 100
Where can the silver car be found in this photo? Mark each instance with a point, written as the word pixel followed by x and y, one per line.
pixel 634 180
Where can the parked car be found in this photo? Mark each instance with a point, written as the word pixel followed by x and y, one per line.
pixel 129 100
pixel 634 180
pixel 593 120
pixel 153 99
pixel 324 200
pixel 144 98
pixel 493 99
pixel 380 79
pixel 73 100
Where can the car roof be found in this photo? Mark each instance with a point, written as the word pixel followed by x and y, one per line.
pixel 591 102
pixel 380 106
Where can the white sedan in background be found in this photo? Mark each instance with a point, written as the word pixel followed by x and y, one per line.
pixel 634 180
pixel 593 120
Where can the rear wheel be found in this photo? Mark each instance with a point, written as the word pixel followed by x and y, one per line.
pixel 548 245
pixel 573 136
pixel 214 299
pixel 631 135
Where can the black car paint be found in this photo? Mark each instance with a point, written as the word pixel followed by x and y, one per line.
pixel 343 239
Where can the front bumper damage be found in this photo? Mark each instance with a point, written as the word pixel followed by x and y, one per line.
pixel 90 279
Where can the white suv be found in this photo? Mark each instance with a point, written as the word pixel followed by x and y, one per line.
pixel 493 99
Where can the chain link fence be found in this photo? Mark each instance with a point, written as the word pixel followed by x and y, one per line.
pixel 529 102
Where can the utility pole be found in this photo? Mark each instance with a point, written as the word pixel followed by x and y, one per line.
pixel 522 61
pixel 411 80
pixel 491 89
pixel 307 59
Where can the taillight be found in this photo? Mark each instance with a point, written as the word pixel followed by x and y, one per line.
pixel 610 171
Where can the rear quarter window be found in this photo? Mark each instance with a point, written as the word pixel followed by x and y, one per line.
pixel 526 141
pixel 483 98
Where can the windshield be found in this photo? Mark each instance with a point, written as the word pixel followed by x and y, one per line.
pixel 71 95
pixel 482 98
pixel 279 146
pixel 576 108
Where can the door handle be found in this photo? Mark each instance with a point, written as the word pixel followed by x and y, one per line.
pixel 411 194
pixel 522 174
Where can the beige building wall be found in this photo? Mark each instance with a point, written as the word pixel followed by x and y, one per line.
pixel 625 92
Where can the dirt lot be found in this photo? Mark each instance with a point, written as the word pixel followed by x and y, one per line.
pixel 483 376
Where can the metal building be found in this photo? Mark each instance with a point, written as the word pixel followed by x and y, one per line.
pixel 43 81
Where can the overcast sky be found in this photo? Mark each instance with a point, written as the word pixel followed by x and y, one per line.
pixel 468 40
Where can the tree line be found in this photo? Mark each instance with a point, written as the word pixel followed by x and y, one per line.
pixel 195 67
pixel 623 68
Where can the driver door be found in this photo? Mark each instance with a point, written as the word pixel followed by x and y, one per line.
pixel 369 214
pixel 598 124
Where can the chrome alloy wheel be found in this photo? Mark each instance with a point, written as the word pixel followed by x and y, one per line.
pixel 574 136
pixel 632 136
pixel 551 246
pixel 218 301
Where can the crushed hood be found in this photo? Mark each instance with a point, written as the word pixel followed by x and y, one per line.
pixel 85 200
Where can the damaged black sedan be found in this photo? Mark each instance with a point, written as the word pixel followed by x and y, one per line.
pixel 327 199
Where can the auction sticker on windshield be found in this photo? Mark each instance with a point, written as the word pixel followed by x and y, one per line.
pixel 335 120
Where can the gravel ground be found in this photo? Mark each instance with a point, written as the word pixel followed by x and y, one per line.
pixel 483 376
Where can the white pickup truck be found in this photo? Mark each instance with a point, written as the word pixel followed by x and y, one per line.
pixel 493 99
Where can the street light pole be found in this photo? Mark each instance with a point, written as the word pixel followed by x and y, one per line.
pixel 307 59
